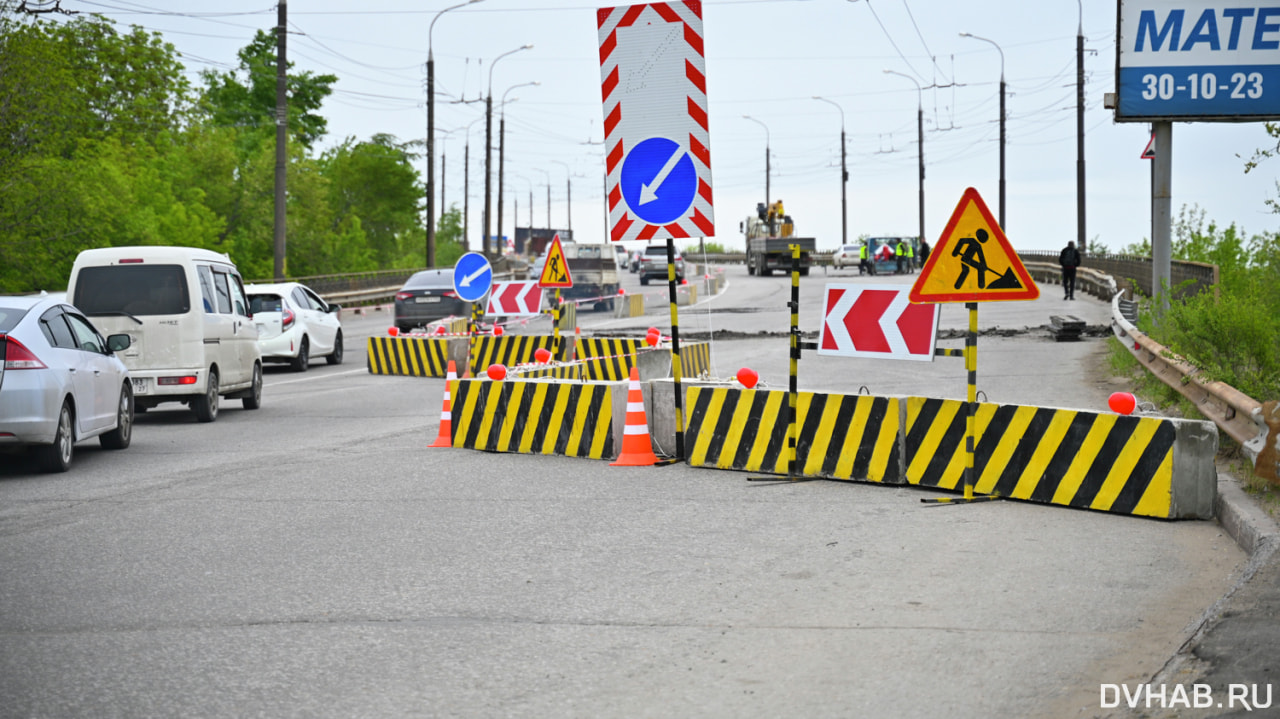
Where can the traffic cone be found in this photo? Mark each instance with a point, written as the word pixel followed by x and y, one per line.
pixel 446 414
pixel 637 448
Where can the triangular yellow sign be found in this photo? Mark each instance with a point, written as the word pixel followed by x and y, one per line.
pixel 972 261
pixel 555 272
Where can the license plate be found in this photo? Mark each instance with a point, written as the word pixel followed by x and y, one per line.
pixel 426 299
pixel 139 385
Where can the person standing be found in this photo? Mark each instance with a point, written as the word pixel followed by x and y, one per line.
pixel 1069 258
pixel 924 251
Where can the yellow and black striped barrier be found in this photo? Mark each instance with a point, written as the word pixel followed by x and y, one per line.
pixel 1146 466
pixel 851 437
pixel 409 356
pixel 507 350
pixel 570 419
pixel 695 359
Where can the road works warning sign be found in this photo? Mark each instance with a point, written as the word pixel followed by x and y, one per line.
pixel 973 261
pixel 555 273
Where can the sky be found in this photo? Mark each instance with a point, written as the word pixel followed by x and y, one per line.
pixel 766 59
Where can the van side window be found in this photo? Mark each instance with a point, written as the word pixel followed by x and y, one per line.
pixel 237 295
pixel 206 286
pixel 222 286
pixel 56 331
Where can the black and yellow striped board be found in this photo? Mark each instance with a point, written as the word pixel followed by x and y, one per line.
pixel 607 359
pixel 571 419
pixel 838 436
pixel 1101 461
pixel 507 350
pixel 409 356
pixel 695 360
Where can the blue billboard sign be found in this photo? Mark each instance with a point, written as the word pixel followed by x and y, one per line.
pixel 1198 60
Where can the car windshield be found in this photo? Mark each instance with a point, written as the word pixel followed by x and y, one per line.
pixel 264 303
pixel 135 289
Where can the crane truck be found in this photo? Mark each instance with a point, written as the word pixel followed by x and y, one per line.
pixel 770 234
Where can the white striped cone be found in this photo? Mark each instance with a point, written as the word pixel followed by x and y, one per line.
pixel 637 448
pixel 445 438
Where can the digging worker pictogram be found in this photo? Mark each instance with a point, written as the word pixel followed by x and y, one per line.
pixel 970 252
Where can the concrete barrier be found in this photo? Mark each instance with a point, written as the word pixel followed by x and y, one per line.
pixel 573 419
pixel 415 355
pixel 629 306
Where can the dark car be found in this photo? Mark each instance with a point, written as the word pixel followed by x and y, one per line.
pixel 428 296
pixel 653 264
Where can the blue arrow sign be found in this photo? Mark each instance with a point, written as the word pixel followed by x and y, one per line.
pixel 658 180
pixel 472 276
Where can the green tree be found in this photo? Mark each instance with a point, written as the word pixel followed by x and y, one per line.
pixel 376 183
pixel 246 96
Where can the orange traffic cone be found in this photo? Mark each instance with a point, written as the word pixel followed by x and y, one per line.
pixel 446 414
pixel 637 448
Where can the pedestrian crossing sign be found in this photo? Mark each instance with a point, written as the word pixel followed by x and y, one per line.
pixel 973 261
pixel 555 272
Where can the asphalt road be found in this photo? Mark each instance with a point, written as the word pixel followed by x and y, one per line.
pixel 315 558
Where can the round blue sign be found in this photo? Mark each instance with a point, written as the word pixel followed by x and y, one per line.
pixel 659 180
pixel 472 276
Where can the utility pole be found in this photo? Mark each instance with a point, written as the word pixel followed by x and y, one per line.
pixel 844 176
pixel 282 137
pixel 1080 201
pixel 431 138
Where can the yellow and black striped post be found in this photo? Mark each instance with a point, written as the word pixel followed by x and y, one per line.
pixel 555 326
pixel 971 410
pixel 473 329
pixel 793 387
pixel 676 365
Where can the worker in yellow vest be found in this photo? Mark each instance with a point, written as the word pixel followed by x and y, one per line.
pixel 900 254
pixel 864 266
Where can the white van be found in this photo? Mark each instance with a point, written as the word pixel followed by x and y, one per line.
pixel 192 336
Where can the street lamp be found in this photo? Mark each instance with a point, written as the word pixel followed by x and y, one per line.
pixel 844 176
pixel 502 144
pixel 766 164
pixel 919 140
pixel 431 132
pixel 488 147
pixel 993 42
pixel 548 174
pixel 466 189
pixel 568 189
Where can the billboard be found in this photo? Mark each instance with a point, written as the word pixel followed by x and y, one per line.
pixel 1197 60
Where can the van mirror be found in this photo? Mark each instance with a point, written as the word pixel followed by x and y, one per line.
pixel 118 343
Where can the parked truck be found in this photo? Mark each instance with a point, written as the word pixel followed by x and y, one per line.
pixel 594 272
pixel 770 234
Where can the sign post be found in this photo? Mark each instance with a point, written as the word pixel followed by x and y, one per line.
pixel 472 278
pixel 555 273
pixel 972 262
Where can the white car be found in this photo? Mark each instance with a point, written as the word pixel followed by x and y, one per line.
pixel 846 256
pixel 294 324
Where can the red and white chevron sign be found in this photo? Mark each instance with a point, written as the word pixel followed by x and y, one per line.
pixel 653 81
pixel 876 321
pixel 515 299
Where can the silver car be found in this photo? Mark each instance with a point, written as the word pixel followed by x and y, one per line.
pixel 60 381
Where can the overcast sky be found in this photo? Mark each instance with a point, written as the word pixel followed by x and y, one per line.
pixel 766 59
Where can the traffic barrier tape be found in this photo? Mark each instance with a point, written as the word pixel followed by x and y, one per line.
pixel 570 419
pixel 412 356
pixel 1107 462
pixel 837 436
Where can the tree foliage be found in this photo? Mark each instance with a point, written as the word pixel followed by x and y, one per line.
pixel 103 142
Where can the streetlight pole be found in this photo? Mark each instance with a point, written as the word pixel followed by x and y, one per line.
pixel 548 174
pixel 844 176
pixel 919 141
pixel 488 149
pixel 766 164
pixel 431 132
pixel 568 189
pixel 466 190
pixel 1003 227
pixel 502 144
pixel 1080 205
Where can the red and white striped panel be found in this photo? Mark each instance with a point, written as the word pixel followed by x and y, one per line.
pixel 635 111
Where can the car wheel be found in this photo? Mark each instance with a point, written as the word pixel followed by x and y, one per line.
pixel 254 399
pixel 206 405
pixel 56 457
pixel 303 360
pixel 335 357
pixel 120 437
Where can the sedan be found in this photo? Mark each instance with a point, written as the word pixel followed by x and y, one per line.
pixel 60 381
pixel 428 296
pixel 294 324
pixel 846 256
